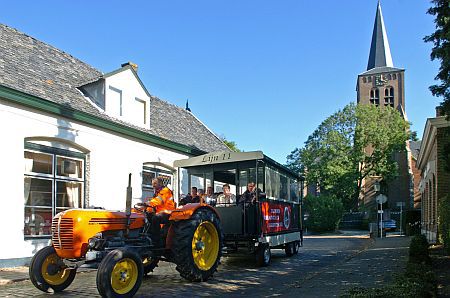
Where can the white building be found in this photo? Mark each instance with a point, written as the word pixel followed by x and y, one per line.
pixel 70 135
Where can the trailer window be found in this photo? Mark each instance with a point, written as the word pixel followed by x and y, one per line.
pixel 294 190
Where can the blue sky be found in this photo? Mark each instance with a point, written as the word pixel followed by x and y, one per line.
pixel 261 73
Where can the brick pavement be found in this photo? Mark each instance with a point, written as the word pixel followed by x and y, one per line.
pixel 372 267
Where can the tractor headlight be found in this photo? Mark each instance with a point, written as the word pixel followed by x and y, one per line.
pixel 92 242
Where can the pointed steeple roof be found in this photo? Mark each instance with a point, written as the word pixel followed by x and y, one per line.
pixel 380 53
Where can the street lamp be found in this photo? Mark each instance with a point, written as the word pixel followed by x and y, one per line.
pixel 376 186
pixel 380 199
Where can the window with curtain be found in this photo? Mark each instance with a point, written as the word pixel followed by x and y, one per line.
pixel 53 182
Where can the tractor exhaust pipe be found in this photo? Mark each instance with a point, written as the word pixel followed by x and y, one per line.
pixel 128 203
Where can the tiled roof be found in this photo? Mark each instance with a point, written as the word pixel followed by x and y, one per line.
pixel 33 67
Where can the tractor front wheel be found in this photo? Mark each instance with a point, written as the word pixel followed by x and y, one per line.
pixel 47 270
pixel 197 245
pixel 119 274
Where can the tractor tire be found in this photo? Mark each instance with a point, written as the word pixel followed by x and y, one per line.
pixel 47 270
pixel 197 245
pixel 289 249
pixel 120 274
pixel 150 264
pixel 263 255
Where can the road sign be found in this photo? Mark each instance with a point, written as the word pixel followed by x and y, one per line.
pixel 381 199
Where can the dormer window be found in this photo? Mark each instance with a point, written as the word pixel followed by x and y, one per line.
pixel 141 109
pixel 121 94
pixel 375 96
pixel 113 104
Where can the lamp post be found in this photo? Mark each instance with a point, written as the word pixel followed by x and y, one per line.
pixel 381 199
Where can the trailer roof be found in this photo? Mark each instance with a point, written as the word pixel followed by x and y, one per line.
pixel 221 157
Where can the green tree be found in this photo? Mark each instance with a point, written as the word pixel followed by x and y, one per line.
pixel 350 145
pixel 230 144
pixel 441 51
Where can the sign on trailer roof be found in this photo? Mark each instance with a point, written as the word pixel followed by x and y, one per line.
pixel 218 157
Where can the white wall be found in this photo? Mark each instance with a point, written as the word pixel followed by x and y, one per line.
pixel 130 90
pixel 112 157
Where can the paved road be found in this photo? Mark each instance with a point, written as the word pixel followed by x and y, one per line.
pixel 236 276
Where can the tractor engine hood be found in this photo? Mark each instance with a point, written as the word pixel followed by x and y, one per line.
pixel 71 229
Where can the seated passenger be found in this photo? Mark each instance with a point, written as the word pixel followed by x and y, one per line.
pixel 193 197
pixel 249 196
pixel 210 198
pixel 227 198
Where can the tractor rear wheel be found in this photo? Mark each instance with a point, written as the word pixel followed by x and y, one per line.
pixel 47 270
pixel 120 274
pixel 197 245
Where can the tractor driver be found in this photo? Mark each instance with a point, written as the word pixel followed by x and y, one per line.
pixel 163 202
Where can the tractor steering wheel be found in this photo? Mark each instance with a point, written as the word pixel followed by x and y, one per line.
pixel 140 207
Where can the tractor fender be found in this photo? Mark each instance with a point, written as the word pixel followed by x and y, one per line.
pixel 186 211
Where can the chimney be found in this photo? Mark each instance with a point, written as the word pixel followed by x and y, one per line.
pixel 135 67
pixel 439 111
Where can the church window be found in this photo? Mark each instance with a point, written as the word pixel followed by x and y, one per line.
pixel 375 96
pixel 388 76
pixel 364 80
pixel 394 76
pixel 389 96
pixel 369 79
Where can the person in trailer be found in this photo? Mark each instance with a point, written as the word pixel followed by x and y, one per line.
pixel 226 198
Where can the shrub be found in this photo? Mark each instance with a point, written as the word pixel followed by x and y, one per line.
pixel 418 250
pixel 324 213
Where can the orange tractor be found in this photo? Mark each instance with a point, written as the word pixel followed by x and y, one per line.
pixel 118 244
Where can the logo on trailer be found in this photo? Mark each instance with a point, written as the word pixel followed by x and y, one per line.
pixel 287 217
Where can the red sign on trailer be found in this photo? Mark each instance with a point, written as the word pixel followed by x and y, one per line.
pixel 276 217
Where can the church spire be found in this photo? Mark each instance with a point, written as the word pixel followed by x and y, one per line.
pixel 380 53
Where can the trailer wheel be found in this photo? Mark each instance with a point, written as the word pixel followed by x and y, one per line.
pixel 296 247
pixel 197 245
pixel 263 255
pixel 150 264
pixel 119 274
pixel 47 270
pixel 289 249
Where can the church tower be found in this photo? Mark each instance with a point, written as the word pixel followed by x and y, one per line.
pixel 383 85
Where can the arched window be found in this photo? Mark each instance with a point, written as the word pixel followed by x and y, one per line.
pixel 364 80
pixel 389 96
pixel 375 96
pixel 54 181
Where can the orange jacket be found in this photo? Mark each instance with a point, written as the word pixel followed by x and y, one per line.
pixel 163 200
